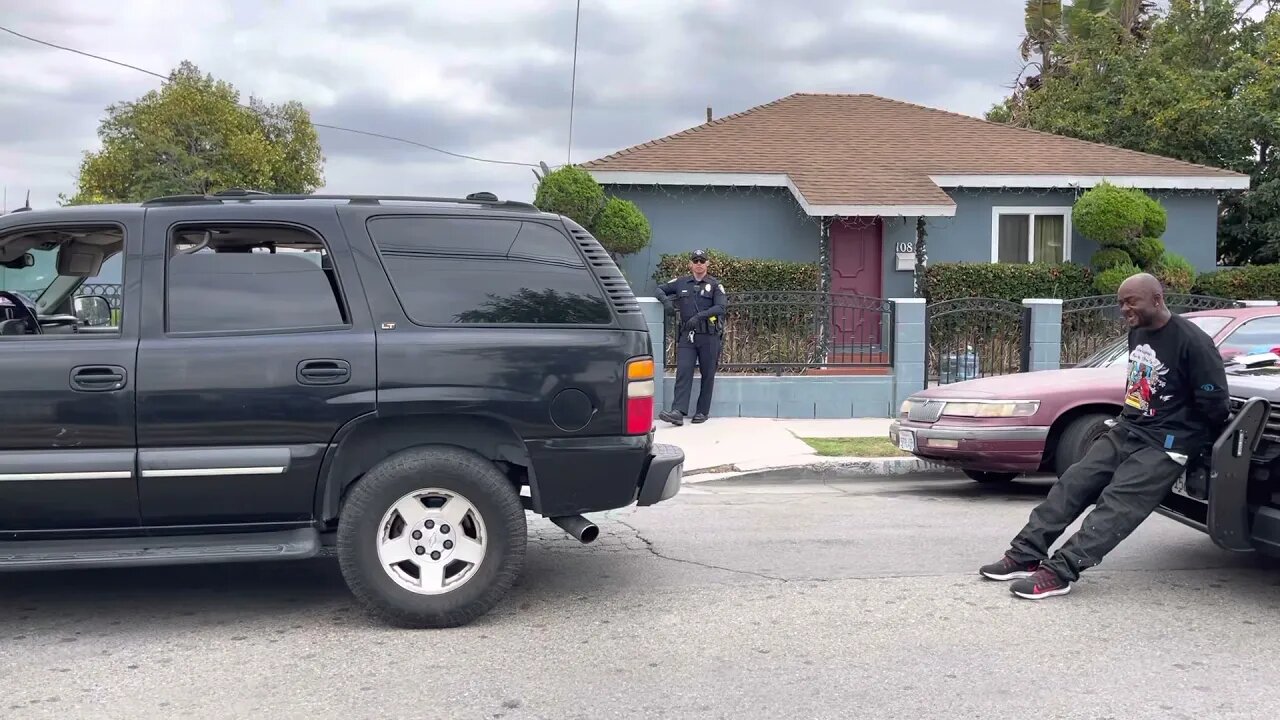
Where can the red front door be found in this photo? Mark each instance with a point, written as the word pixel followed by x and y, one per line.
pixel 857 267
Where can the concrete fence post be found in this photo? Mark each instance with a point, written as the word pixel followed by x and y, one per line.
pixel 655 318
pixel 1046 333
pixel 908 349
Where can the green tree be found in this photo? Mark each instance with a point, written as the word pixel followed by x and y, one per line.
pixel 193 136
pixel 618 224
pixel 1201 85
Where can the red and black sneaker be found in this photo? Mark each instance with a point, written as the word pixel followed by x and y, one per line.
pixel 1044 583
pixel 1008 569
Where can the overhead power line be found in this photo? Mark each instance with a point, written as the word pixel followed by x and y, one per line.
pixel 368 133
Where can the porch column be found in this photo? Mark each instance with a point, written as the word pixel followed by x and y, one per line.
pixel 654 317
pixel 908 349
pixel 1046 334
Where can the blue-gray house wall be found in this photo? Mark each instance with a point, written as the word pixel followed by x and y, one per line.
pixel 769 223
pixel 764 223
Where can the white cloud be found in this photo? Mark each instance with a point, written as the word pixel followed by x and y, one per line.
pixel 483 79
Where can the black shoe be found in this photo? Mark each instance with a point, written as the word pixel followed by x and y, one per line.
pixel 699 418
pixel 1044 583
pixel 1008 569
pixel 674 418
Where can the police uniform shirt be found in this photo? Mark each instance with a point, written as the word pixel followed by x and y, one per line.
pixel 691 296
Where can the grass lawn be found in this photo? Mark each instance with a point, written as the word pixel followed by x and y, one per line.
pixel 855 447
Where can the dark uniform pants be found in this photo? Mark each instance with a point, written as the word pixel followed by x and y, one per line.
pixel 705 351
pixel 1125 476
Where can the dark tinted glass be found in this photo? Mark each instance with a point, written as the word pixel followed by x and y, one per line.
pixel 457 270
pixel 219 292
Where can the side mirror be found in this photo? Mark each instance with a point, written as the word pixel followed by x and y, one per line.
pixel 93 310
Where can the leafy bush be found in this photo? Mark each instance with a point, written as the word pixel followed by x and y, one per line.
pixel 571 191
pixel 1154 217
pixel 1176 273
pixel 1107 258
pixel 1108 281
pixel 1146 252
pixel 1015 282
pixel 621 228
pixel 744 274
pixel 1111 216
pixel 1252 282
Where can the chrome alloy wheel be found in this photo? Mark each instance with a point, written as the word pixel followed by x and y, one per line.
pixel 431 541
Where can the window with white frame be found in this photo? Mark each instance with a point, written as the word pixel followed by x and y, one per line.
pixel 1030 234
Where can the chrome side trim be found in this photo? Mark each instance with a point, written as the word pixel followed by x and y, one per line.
pixel 212 472
pixel 993 433
pixel 85 475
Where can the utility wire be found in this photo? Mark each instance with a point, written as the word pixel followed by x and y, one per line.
pixel 316 124
pixel 573 83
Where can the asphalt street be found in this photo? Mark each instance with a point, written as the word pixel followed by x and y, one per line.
pixel 850 600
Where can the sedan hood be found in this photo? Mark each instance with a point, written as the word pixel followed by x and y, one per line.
pixel 1034 385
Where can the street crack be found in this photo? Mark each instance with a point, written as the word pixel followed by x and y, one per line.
pixel 653 550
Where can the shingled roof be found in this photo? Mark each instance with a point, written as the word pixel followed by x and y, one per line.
pixel 865 154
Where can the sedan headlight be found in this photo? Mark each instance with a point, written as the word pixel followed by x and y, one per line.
pixel 906 406
pixel 1013 408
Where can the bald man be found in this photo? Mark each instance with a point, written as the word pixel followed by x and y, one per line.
pixel 1175 406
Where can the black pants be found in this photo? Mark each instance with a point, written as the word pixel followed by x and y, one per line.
pixel 1126 477
pixel 705 351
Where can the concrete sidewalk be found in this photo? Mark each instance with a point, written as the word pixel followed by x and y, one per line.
pixel 733 447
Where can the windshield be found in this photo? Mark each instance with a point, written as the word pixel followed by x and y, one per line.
pixel 31 281
pixel 1117 352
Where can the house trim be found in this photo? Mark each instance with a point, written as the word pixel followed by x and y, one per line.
pixel 1150 182
pixel 999 210
pixel 776 180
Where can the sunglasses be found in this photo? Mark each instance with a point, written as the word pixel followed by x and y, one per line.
pixel 699 261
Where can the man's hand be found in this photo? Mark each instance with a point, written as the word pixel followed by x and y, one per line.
pixel 691 323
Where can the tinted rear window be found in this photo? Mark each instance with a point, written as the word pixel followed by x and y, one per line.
pixel 482 270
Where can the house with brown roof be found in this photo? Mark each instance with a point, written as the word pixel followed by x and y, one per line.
pixel 856 172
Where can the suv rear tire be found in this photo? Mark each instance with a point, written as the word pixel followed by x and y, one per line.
pixel 1076 440
pixel 432 537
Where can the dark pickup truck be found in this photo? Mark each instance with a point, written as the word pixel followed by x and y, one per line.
pixel 1235 497
pixel 401 379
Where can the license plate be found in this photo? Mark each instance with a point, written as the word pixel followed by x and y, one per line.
pixel 907 441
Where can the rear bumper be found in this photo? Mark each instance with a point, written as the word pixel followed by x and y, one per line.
pixel 995 448
pixel 663 475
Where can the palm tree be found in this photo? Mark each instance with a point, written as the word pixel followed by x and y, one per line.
pixel 1049 22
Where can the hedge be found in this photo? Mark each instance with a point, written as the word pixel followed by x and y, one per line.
pixel 1252 282
pixel 744 274
pixel 1013 282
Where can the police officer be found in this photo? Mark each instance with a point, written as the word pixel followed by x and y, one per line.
pixel 699 301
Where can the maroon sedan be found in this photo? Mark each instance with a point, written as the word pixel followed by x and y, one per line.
pixel 996 428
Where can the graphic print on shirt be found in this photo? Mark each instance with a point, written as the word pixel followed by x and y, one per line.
pixel 1146 377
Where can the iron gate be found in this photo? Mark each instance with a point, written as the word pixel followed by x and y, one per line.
pixel 1090 324
pixel 969 338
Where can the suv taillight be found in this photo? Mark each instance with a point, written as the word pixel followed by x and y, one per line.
pixel 639 396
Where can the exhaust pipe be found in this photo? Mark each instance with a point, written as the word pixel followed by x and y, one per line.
pixel 582 529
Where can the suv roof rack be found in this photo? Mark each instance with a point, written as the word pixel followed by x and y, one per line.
pixel 243 195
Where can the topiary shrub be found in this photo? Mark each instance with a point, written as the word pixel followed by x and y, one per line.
pixel 1154 217
pixel 1107 258
pixel 1146 252
pixel 571 191
pixel 1007 281
pixel 1108 281
pixel 1175 272
pixel 621 228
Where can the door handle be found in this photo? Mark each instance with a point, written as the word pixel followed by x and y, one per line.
pixel 98 378
pixel 323 372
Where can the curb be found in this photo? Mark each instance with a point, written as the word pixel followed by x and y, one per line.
pixel 821 470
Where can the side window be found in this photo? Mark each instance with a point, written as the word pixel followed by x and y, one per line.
pixel 463 270
pixel 51 275
pixel 251 278
pixel 1254 336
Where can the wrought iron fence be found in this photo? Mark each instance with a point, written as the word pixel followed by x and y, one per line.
pixel 794 331
pixel 1091 323
pixel 968 338
pixel 110 291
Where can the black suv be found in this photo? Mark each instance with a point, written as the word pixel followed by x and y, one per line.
pixel 283 374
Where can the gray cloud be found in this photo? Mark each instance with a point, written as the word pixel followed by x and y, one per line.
pixel 495 84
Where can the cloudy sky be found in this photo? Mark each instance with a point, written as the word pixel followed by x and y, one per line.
pixel 489 79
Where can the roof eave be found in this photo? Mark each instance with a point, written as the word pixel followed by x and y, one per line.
pixel 1224 181
pixel 772 180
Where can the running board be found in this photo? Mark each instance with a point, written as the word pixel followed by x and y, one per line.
pixel 172 550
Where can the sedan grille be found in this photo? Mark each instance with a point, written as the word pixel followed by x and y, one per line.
pixel 926 412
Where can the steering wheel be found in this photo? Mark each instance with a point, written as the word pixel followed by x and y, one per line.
pixel 24 312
